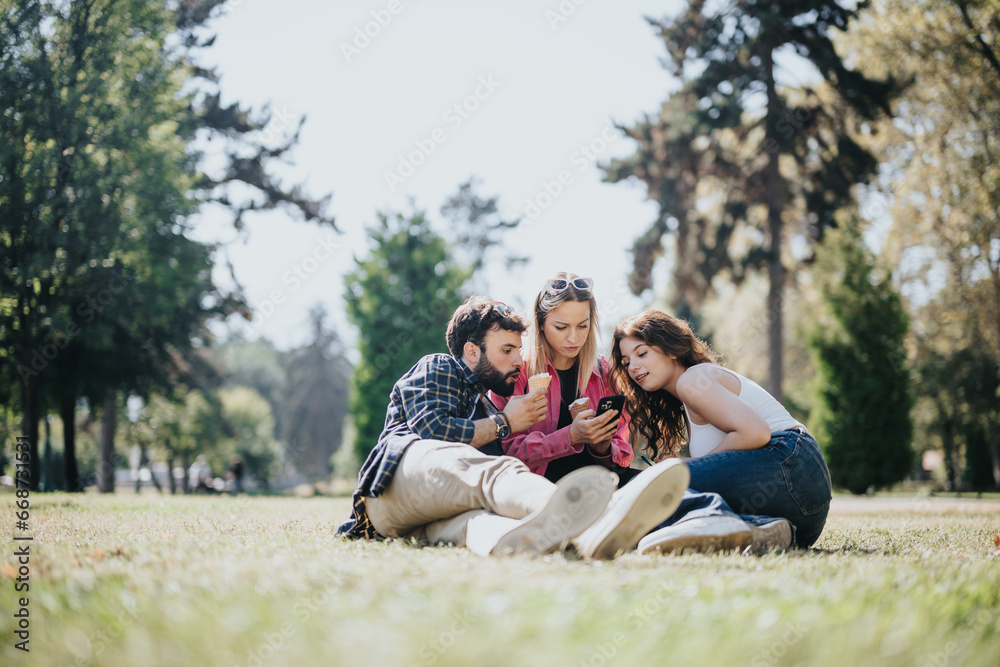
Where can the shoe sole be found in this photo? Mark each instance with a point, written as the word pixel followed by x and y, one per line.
pixel 706 544
pixel 579 500
pixel 654 505
pixel 774 536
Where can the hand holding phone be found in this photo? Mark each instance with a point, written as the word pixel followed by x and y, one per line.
pixel 594 430
pixel 616 402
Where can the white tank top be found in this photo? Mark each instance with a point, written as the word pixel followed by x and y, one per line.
pixel 705 437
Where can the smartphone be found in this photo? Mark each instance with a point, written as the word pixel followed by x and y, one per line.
pixel 616 402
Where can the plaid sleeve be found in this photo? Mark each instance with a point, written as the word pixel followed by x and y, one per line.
pixel 432 399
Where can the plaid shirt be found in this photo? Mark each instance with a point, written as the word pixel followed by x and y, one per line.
pixel 435 400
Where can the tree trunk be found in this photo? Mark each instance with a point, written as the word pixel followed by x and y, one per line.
pixel 775 194
pixel 151 468
pixel 67 412
pixel 106 456
pixel 170 468
pixel 948 438
pixel 184 479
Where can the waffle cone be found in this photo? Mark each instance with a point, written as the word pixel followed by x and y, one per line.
pixel 539 381
pixel 578 406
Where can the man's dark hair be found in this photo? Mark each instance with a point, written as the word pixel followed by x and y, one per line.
pixel 475 317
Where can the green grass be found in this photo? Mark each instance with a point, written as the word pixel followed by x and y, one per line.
pixel 150 580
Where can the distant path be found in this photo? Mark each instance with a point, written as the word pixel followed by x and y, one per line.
pixel 877 505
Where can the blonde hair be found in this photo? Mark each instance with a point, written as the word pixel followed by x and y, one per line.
pixel 537 350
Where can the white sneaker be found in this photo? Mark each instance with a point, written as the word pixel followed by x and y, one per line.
pixel 646 501
pixel 579 499
pixel 701 535
pixel 772 536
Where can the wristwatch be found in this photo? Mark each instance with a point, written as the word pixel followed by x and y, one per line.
pixel 503 426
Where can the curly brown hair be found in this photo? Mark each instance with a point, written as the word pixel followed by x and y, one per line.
pixel 658 416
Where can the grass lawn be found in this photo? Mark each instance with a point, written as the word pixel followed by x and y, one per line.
pixel 179 581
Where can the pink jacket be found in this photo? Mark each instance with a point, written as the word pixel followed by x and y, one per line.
pixel 543 442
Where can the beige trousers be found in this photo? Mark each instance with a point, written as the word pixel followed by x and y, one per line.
pixel 447 492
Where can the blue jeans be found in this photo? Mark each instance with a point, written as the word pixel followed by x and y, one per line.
pixel 786 478
pixel 699 504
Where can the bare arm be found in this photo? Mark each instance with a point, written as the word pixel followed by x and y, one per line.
pixel 705 392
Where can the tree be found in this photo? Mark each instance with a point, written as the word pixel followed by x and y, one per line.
pixel 958 410
pixel 249 416
pixel 477 231
pixel 183 425
pixel 942 181
pixel 400 297
pixel 735 156
pixel 316 401
pixel 101 102
pixel 256 364
pixel 863 394
pixel 162 423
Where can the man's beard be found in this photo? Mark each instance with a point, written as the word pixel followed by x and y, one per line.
pixel 493 379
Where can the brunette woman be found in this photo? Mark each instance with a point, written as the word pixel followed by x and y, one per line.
pixel 745 446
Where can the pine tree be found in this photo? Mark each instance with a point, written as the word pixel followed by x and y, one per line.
pixel 944 194
pixel 400 297
pixel 315 403
pixel 735 157
pixel 863 389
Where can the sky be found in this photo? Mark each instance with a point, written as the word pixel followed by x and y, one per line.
pixel 521 94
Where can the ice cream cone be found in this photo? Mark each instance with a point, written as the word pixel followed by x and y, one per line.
pixel 540 381
pixel 578 406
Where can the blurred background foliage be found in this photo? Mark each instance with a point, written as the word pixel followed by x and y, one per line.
pixel 839 242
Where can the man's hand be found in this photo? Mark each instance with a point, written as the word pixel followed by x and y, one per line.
pixel 526 411
pixel 594 431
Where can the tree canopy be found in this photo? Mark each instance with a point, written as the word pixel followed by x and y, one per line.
pixel 101 286
pixel 736 158
pixel 941 179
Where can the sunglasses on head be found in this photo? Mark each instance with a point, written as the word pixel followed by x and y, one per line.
pixel 560 284
pixel 503 309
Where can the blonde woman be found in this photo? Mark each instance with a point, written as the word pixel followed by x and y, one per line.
pixel 562 341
